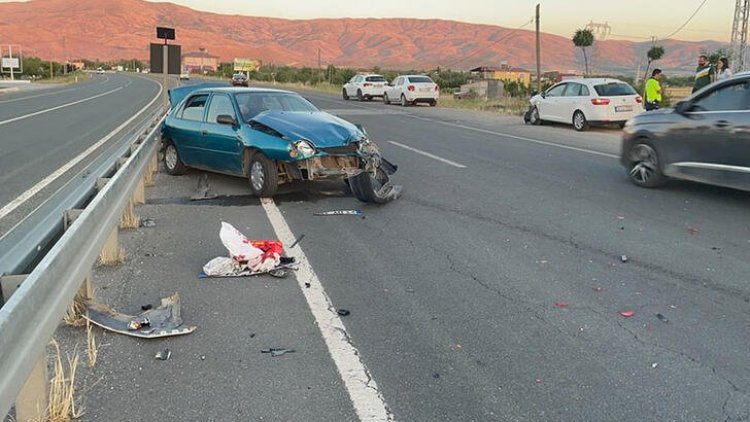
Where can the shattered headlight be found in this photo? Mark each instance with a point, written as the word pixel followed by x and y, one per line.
pixel 303 148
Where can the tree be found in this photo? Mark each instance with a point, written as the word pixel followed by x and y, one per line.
pixel 654 53
pixel 582 39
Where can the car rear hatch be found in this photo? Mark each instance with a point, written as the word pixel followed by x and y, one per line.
pixel 621 100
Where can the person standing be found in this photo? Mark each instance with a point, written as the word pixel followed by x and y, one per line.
pixel 724 72
pixel 653 90
pixel 704 73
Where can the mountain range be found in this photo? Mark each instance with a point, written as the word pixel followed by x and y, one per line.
pixel 123 29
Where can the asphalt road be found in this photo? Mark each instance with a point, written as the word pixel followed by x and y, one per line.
pixel 43 130
pixel 491 290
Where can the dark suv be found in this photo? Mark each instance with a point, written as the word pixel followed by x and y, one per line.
pixel 239 79
pixel 705 138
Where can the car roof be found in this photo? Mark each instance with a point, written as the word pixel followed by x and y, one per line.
pixel 233 90
pixel 369 74
pixel 593 81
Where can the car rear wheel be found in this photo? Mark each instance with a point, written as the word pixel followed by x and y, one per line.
pixel 579 121
pixel 433 103
pixel 404 103
pixel 645 168
pixel 172 161
pixel 386 100
pixel 264 179
pixel 368 187
pixel 360 97
pixel 344 95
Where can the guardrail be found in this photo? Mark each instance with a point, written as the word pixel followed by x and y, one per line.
pixel 29 317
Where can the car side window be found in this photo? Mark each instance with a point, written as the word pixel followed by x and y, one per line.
pixel 573 90
pixel 400 81
pixel 194 108
pixel 220 104
pixel 556 91
pixel 726 98
pixel 584 91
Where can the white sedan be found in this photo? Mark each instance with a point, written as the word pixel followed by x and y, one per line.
pixel 412 89
pixel 585 102
pixel 364 87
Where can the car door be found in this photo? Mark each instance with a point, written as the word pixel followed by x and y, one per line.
pixel 717 142
pixel 221 148
pixel 394 91
pixel 549 106
pixel 570 101
pixel 186 128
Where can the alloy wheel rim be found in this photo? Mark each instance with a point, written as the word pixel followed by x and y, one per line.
pixel 579 121
pixel 535 115
pixel 645 163
pixel 171 157
pixel 257 178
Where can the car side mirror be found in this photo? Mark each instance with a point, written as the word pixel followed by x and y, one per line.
pixel 225 119
pixel 544 94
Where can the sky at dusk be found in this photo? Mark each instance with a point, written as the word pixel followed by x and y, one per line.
pixel 635 20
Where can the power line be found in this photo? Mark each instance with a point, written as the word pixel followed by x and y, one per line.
pixel 687 21
pixel 503 37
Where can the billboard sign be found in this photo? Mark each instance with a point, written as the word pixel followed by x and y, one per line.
pixel 11 62
pixel 246 65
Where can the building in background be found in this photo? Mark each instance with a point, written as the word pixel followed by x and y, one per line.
pixel 199 61
pixel 503 73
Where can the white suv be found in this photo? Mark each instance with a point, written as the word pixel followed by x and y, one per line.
pixel 364 87
pixel 412 89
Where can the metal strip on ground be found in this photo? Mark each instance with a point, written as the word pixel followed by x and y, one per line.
pixel 366 398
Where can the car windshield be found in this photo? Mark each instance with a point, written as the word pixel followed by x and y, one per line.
pixel 420 79
pixel 375 79
pixel 614 89
pixel 253 103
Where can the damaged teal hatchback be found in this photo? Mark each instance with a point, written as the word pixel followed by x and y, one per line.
pixel 270 137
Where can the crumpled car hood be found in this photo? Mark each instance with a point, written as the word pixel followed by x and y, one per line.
pixel 320 128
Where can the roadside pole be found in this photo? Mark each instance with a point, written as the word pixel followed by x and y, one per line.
pixel 165 70
pixel 538 54
pixel 10 56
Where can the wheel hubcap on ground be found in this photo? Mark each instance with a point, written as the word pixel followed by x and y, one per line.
pixel 257 178
pixel 171 157
pixel 644 162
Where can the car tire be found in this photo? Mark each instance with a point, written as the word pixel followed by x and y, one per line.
pixel 172 161
pixel 264 179
pixel 579 121
pixel 360 97
pixel 645 169
pixel 366 187
pixel 344 95
pixel 534 118
pixel 368 97
pixel 386 100
pixel 404 103
pixel 433 103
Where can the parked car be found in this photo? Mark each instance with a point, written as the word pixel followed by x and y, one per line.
pixel 99 71
pixel 586 102
pixel 270 137
pixel 364 87
pixel 239 79
pixel 185 75
pixel 705 138
pixel 412 89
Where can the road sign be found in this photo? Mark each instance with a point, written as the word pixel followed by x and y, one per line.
pixel 246 65
pixel 8 63
pixel 164 33
pixel 157 59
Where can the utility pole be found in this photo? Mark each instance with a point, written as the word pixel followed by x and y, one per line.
pixel 538 54
pixel 51 70
pixel 739 35
pixel 10 55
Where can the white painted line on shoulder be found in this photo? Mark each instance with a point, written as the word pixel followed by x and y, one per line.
pixel 59 172
pixel 26 116
pixel 522 138
pixel 366 398
pixel 47 93
pixel 427 154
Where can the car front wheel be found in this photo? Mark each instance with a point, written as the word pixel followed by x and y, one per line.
pixel 534 117
pixel 264 179
pixel 344 95
pixel 386 100
pixel 645 169
pixel 579 121
pixel 369 188
pixel 172 161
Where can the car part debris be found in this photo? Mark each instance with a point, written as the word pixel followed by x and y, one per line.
pixel 147 222
pixel 299 239
pixel 307 285
pixel 561 304
pixel 277 352
pixel 201 193
pixel 339 212
pixel 343 312
pixel 662 318
pixel 436 375
pixel 624 258
pixel 163 355
pixel 164 321
pixel 146 307
pixel 627 314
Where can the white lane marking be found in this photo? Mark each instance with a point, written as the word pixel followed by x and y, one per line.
pixel 367 400
pixel 46 94
pixel 522 138
pixel 59 172
pixel 26 116
pixel 427 154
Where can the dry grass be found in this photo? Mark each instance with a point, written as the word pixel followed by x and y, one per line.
pixel 679 93
pixel 71 78
pixel 130 220
pixel 62 404
pixel 74 314
pixel 107 259
pixel 508 105
pixel 91 348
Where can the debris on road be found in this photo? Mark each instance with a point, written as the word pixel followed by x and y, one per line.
pixel 163 355
pixel 299 239
pixel 662 318
pixel 338 212
pixel 627 314
pixel 343 312
pixel 624 258
pixel 598 288
pixel 692 230
pixel 146 307
pixel 277 351
pixel 436 375
pixel 164 321
pixel 561 304
pixel 202 190
pixel 148 222
pixel 307 285
pixel 654 365
pixel 248 257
